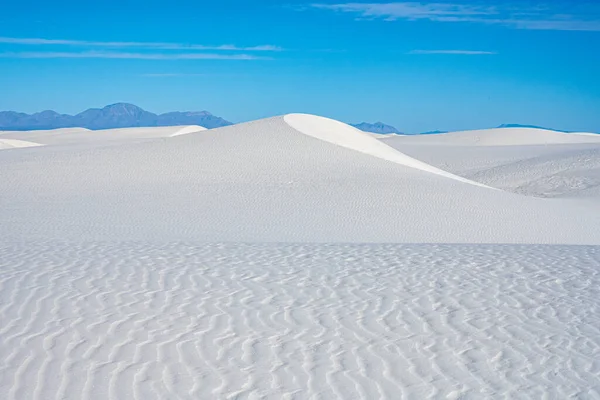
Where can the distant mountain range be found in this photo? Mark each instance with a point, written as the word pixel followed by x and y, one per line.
pixel 377 127
pixel 120 115
pixel 123 115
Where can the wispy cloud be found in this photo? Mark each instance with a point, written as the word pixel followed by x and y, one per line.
pixel 136 56
pixel 170 75
pixel 406 10
pixel 141 45
pixel 580 15
pixel 458 52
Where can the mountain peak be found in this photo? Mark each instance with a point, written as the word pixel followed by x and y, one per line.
pixel 122 105
pixel 124 109
pixel 47 114
pixel 377 127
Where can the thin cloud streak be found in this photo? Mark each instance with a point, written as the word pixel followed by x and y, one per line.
pixel 584 16
pixel 146 45
pixel 408 10
pixel 133 56
pixel 457 52
pixel 169 75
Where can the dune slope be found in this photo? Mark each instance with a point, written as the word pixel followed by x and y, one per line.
pixel 502 137
pixel 549 164
pixel 16 144
pixel 266 181
pixel 82 137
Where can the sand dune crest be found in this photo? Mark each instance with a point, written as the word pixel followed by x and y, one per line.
pixel 16 144
pixel 344 135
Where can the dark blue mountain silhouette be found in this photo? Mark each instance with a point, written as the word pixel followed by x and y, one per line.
pixel 120 115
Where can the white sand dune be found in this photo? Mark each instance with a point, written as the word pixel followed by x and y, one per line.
pixel 187 129
pixel 44 132
pixel 267 182
pixel 500 137
pixel 123 276
pixel 16 144
pixel 548 175
pixel 344 135
pixel 527 161
pixel 82 136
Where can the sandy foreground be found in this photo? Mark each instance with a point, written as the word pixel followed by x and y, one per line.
pixel 298 258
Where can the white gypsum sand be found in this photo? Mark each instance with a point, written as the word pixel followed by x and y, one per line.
pixel 265 181
pixel 16 144
pixel 344 135
pixel 187 321
pixel 81 136
pixel 526 161
pixel 501 137
pixel 122 274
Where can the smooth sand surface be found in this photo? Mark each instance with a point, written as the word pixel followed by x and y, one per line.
pixel 550 164
pixel 501 137
pixel 16 144
pixel 82 136
pixel 265 181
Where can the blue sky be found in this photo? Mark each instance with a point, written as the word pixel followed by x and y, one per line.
pixel 416 65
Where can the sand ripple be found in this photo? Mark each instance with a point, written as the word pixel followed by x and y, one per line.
pixel 184 321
